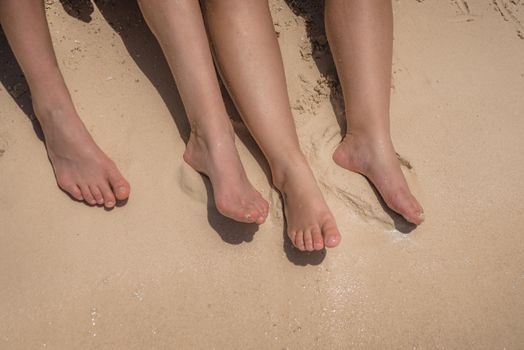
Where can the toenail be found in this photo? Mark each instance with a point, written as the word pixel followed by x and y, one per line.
pixel 110 204
pixel 122 190
pixel 422 216
pixel 332 240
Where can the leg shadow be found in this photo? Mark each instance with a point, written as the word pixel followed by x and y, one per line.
pixel 14 82
pixel 126 20
pixel 80 9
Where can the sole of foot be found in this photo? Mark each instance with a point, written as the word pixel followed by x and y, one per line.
pixel 377 160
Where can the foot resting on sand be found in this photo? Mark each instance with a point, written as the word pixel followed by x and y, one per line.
pixel 80 166
pixel 310 224
pixel 217 157
pixel 375 158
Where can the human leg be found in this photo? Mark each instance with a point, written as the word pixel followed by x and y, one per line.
pixel 80 167
pixel 360 34
pixel 180 30
pixel 249 58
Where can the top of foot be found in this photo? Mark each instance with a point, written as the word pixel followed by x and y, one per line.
pixel 377 160
pixel 310 224
pixel 81 168
pixel 235 196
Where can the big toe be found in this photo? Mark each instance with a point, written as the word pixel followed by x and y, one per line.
pixel 415 216
pixel 331 234
pixel 257 216
pixel 411 210
pixel 263 208
pixel 120 186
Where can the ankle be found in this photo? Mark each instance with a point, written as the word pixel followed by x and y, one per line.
pixel 216 129
pixel 212 138
pixel 287 169
pixel 54 114
pixel 53 106
pixel 368 136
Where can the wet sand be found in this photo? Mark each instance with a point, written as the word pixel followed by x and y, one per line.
pixel 165 270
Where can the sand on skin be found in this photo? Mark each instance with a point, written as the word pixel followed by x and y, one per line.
pixel 166 271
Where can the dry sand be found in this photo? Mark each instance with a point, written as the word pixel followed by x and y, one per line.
pixel 166 271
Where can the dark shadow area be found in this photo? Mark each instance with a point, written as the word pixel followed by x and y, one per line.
pixel 401 224
pixel 126 20
pixel 312 11
pixel 298 257
pixel 80 9
pixel 14 82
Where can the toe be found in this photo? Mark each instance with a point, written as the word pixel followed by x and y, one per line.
pixel 413 212
pixel 97 194
pixel 262 208
pixel 260 218
pixel 109 197
pixel 70 187
pixel 88 196
pixel 120 186
pixel 75 192
pixel 265 207
pixel 299 240
pixel 420 210
pixel 331 234
pixel 318 243
pixel 257 214
pixel 292 235
pixel 250 217
pixel 308 240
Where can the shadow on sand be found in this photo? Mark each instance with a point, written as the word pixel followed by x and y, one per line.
pixel 14 82
pixel 126 20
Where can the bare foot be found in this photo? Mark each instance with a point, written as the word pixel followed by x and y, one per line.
pixel 310 224
pixel 377 160
pixel 81 168
pixel 235 197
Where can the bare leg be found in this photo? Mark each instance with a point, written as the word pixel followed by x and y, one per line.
pixel 81 168
pixel 360 34
pixel 249 58
pixel 179 27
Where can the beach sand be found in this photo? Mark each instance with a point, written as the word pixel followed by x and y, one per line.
pixel 166 271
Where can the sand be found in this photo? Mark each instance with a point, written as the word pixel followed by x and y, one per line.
pixel 166 271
